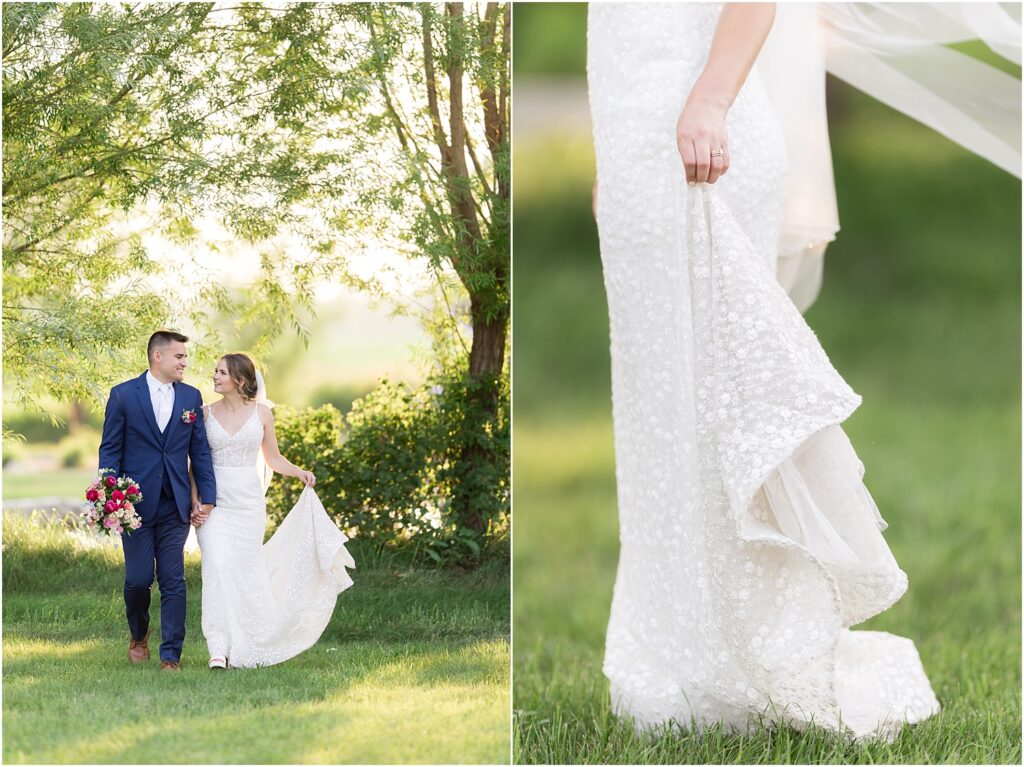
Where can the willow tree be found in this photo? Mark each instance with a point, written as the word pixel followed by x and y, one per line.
pixel 443 74
pixel 123 118
pixel 332 123
pixel 81 143
pixel 461 175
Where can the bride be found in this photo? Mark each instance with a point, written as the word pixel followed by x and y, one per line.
pixel 262 603
pixel 749 543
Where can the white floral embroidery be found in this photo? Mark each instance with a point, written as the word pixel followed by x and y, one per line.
pixel 264 603
pixel 726 414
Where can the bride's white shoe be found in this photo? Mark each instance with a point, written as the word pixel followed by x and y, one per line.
pixel 218 663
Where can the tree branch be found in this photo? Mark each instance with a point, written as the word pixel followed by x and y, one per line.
pixel 492 118
pixel 396 121
pixel 457 173
pixel 477 166
pixel 431 83
pixel 451 314
pixel 61 225
pixel 503 90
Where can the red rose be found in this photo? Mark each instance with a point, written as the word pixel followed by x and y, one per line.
pixel 110 506
pixel 91 495
pixel 133 490
pixel 111 481
pixel 117 495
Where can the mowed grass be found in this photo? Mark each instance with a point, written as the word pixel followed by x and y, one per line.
pixel 413 668
pixel 68 483
pixel 920 312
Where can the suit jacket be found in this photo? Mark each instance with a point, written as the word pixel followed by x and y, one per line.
pixel 133 445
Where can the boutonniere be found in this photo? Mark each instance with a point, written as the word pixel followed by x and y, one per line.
pixel 188 416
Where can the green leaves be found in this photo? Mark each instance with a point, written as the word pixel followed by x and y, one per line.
pixel 393 469
pixel 307 130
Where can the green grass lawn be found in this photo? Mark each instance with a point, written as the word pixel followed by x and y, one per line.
pixel 70 483
pixel 921 313
pixel 413 668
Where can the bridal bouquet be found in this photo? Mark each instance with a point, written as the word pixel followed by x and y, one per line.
pixel 110 504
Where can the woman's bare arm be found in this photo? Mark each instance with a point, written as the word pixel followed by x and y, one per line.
pixel 739 35
pixel 741 31
pixel 272 454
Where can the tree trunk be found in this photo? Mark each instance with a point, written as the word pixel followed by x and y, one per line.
pixel 486 360
pixel 487 355
pixel 489 315
pixel 76 417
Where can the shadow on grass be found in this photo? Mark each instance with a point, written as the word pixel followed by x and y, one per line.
pixel 412 668
pixel 57 692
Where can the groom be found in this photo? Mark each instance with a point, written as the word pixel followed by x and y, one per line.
pixel 153 426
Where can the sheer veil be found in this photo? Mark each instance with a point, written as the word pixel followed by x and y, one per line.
pixel 264 471
pixel 898 53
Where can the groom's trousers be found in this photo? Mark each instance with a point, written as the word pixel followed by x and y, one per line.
pixel 161 539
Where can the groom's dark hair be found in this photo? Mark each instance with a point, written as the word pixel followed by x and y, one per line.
pixel 162 338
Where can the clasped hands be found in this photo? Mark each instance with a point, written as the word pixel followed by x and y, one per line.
pixel 200 512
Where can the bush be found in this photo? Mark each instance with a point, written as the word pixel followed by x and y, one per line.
pixel 341 397
pixel 423 467
pixel 33 427
pixel 75 449
pixel 309 438
pixel 12 450
pixel 38 428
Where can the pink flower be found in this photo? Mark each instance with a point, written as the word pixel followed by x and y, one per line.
pixel 109 522
pixel 133 490
pixel 111 481
pixel 135 524
pixel 110 506
pixel 129 506
pixel 91 494
pixel 117 495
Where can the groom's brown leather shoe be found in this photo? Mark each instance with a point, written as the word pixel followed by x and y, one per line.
pixel 138 649
pixel 170 665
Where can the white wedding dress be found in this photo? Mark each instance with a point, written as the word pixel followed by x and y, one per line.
pixel 749 544
pixel 264 603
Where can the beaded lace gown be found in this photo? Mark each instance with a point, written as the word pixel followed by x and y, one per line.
pixel 264 603
pixel 749 544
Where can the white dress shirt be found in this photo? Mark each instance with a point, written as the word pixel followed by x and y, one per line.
pixel 162 397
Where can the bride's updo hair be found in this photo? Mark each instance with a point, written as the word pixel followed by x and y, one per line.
pixel 242 372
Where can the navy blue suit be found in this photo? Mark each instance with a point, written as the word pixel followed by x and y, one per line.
pixel 133 445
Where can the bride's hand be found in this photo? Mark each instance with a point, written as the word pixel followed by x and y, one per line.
pixel 201 513
pixel 700 130
pixel 307 478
